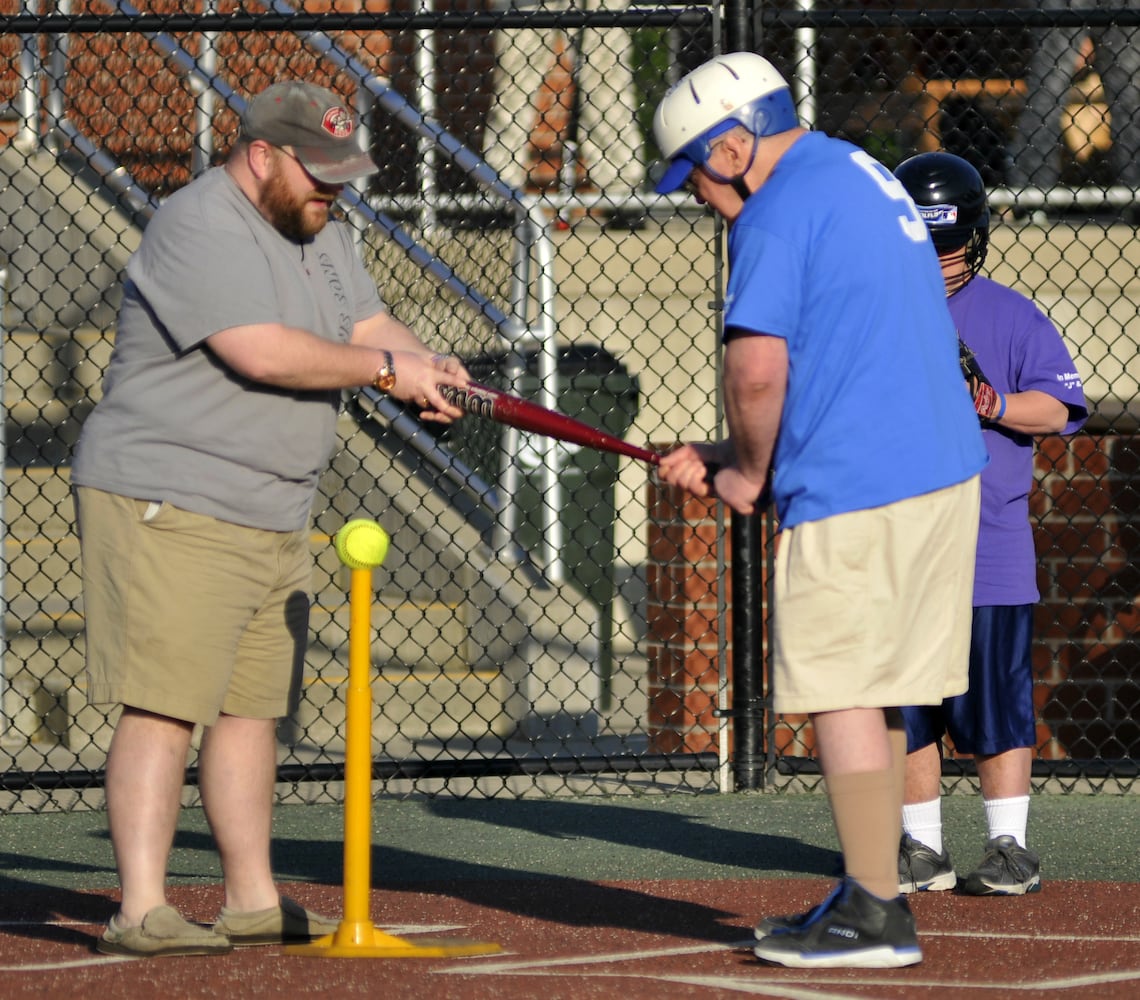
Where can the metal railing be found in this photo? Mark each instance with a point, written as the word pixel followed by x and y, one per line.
pixel 533 250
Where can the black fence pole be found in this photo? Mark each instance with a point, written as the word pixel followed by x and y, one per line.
pixel 747 652
pixel 747 572
pixel 737 26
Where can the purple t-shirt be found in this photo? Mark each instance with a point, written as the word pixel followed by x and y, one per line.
pixel 1019 349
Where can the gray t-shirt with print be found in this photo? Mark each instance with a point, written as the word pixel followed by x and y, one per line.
pixel 175 423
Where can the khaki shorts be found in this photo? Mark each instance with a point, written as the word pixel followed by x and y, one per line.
pixel 188 616
pixel 872 608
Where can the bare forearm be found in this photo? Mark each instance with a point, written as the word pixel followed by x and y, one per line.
pixel 291 358
pixel 295 359
pixel 753 416
pixel 385 332
pixel 1033 412
pixel 755 383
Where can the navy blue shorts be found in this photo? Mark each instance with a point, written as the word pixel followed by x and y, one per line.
pixel 997 713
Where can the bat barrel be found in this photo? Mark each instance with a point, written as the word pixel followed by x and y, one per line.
pixel 514 411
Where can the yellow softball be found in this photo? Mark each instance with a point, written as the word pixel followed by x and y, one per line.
pixel 361 544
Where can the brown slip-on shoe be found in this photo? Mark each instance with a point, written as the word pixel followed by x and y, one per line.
pixel 287 923
pixel 163 932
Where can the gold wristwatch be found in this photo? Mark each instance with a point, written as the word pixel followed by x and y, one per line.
pixel 385 378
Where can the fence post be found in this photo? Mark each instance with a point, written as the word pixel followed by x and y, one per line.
pixel 737 27
pixel 3 513
pixel 28 100
pixel 747 652
pixel 747 577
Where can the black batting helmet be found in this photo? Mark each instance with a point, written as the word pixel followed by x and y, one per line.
pixel 951 198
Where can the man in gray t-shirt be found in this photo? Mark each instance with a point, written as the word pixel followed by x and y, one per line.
pixel 172 424
pixel 245 312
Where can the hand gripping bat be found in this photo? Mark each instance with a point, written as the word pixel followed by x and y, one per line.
pixel 494 404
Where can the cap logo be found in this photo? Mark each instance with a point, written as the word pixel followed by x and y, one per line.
pixel 939 215
pixel 337 122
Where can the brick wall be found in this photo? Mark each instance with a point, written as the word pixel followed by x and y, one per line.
pixel 1086 509
pixel 683 621
pixel 125 95
pixel 1087 656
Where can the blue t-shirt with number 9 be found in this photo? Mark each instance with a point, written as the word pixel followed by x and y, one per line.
pixel 830 255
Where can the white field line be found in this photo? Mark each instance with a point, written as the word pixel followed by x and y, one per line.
pixel 81 963
pixel 807 989
pixel 528 965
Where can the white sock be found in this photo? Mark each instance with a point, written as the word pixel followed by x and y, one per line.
pixel 1008 817
pixel 923 821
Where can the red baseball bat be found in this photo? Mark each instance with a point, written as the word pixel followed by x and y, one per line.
pixel 494 404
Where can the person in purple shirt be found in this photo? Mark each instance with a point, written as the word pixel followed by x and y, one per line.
pixel 1031 387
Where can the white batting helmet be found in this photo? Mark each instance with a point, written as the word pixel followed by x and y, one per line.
pixel 739 88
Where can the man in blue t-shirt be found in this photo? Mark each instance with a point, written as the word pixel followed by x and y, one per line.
pixel 842 389
pixel 1032 387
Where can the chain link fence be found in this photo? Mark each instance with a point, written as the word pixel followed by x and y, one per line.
pixel 549 618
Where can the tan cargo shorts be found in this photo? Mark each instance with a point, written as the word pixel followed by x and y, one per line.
pixel 188 616
pixel 873 608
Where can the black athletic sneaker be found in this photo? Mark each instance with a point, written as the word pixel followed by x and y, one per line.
pixel 1007 869
pixel 921 870
pixel 793 922
pixel 850 929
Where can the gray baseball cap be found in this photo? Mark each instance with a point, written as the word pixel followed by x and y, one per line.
pixel 315 124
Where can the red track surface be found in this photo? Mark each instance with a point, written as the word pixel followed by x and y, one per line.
pixel 565 939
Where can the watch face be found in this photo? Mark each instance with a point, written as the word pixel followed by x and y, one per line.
pixel 385 378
